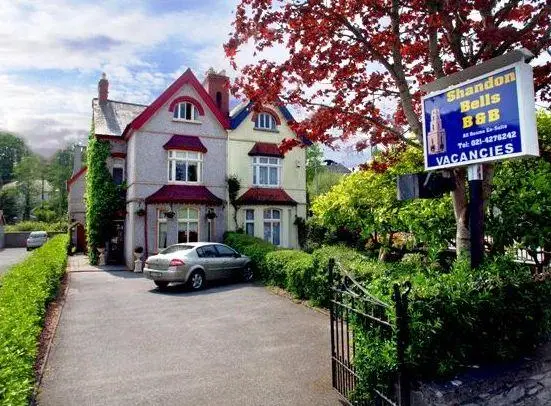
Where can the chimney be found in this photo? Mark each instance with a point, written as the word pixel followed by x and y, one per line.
pixel 77 158
pixel 218 87
pixel 103 88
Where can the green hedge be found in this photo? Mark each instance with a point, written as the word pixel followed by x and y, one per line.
pixel 25 291
pixel 462 317
pixel 60 226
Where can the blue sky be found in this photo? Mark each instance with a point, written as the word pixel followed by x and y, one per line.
pixel 54 51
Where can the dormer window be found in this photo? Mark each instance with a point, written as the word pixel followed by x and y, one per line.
pixel 265 121
pixel 186 111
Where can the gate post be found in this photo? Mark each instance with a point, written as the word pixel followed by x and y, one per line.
pixel 330 268
pixel 402 341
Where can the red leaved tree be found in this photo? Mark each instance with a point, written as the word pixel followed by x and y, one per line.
pixel 347 58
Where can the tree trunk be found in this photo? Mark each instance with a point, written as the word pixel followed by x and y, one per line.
pixel 460 206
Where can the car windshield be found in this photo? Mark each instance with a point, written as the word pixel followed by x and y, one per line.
pixel 36 234
pixel 176 248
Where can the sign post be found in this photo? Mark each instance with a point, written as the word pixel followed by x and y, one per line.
pixel 482 114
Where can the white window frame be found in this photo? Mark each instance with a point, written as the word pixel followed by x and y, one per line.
pixel 187 157
pixel 161 219
pixel 249 221
pixel 271 221
pixel 187 220
pixel 184 107
pixel 265 121
pixel 269 163
pixel 118 163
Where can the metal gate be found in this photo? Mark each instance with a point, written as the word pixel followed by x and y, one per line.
pixel 352 307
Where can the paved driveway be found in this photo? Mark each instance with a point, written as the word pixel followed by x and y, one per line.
pixel 122 342
pixel 11 256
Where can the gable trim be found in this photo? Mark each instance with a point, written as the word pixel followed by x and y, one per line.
pixel 74 178
pixel 187 78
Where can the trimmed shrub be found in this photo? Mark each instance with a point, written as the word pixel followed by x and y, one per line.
pixel 292 270
pixel 254 248
pixel 25 291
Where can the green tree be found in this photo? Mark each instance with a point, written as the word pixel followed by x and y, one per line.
pixel 12 149
pixel 58 173
pixel 27 172
pixel 9 204
pixel 520 204
pixel 322 182
pixel 314 161
pixel 365 203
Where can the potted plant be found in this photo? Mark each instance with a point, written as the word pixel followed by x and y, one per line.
pixel 138 252
pixel 169 214
pixel 211 214
pixel 140 212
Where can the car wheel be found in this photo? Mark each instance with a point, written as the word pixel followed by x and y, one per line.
pixel 247 273
pixel 196 280
pixel 162 285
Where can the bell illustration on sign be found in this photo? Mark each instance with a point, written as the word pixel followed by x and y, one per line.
pixel 436 135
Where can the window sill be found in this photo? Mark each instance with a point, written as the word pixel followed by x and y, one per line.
pixel 266 130
pixel 177 182
pixel 181 120
pixel 268 186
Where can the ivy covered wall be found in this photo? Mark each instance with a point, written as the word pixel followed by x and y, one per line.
pixel 103 198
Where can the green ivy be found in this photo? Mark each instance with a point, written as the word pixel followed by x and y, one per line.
pixel 103 197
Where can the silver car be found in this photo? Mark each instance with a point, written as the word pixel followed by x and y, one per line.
pixel 36 239
pixel 196 263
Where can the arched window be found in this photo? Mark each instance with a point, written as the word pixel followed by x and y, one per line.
pixel 219 99
pixel 272 226
pixel 265 121
pixel 186 111
pixel 188 225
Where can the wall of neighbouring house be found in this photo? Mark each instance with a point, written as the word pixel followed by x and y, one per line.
pixel 293 176
pixel 77 208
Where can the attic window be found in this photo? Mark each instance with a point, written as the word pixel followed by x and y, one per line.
pixel 265 121
pixel 186 111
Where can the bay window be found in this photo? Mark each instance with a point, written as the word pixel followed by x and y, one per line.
pixel 185 166
pixel 266 171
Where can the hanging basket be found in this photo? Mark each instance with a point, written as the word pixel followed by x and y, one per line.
pixel 211 215
pixel 140 212
pixel 169 214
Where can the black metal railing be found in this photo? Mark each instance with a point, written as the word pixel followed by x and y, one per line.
pixel 352 307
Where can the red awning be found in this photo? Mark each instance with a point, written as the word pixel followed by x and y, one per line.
pixel 185 143
pixel 258 195
pixel 183 194
pixel 266 149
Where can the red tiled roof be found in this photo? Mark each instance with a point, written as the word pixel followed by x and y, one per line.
pixel 185 143
pixel 259 195
pixel 265 149
pixel 183 194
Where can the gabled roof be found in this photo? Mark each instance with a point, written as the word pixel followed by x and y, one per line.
pixel 112 117
pixel 259 195
pixel 183 194
pixel 242 110
pixel 187 78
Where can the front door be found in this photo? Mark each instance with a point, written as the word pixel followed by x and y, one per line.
pixel 115 253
